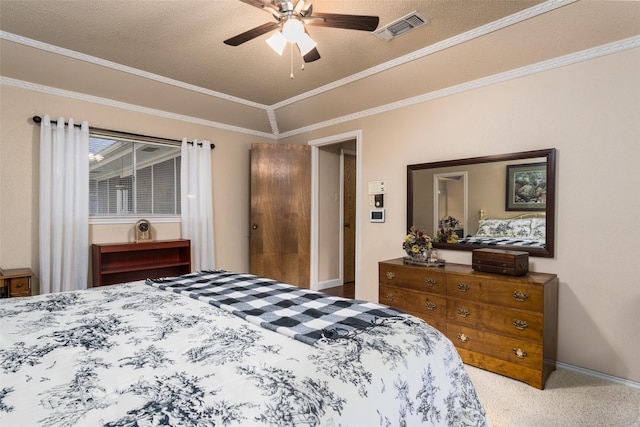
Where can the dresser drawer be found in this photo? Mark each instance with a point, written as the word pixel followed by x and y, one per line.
pixel 515 323
pixel 412 277
pixel 19 287
pixel 516 294
pixel 432 305
pixel 520 352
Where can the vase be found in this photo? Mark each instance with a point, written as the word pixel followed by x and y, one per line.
pixel 419 256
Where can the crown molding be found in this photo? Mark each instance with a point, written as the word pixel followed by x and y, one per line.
pixel 585 55
pixel 123 68
pixel 20 84
pixel 273 121
pixel 445 44
pixel 269 110
pixel 429 50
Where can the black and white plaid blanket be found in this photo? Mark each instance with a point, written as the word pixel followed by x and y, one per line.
pixel 499 241
pixel 298 313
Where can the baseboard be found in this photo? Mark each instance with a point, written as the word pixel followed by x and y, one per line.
pixel 329 284
pixel 597 374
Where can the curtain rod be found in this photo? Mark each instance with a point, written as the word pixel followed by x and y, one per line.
pixel 38 120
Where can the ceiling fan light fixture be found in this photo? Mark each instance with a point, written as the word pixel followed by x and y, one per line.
pixel 277 42
pixel 293 30
pixel 306 44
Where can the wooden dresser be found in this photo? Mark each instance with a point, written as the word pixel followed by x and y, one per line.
pixel 504 324
pixel 15 282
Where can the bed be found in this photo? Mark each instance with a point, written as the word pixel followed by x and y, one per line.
pixel 519 231
pixel 218 348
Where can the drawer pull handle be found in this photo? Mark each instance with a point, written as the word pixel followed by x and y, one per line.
pixel 463 287
pixel 462 337
pixel 390 297
pixel 520 353
pixel 390 275
pixel 520 296
pixel 463 312
pixel 19 285
pixel 430 305
pixel 430 282
pixel 520 324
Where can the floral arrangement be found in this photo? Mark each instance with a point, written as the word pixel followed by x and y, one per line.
pixel 417 241
pixel 447 230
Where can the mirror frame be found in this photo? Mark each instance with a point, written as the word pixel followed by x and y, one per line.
pixel 549 154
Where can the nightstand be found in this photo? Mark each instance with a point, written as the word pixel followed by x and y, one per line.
pixel 15 282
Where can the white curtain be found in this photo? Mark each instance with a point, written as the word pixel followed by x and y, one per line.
pixel 64 205
pixel 196 203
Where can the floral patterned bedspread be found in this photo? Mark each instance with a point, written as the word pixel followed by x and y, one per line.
pixel 134 355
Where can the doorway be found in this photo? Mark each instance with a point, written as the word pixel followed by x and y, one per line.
pixel 451 199
pixel 334 232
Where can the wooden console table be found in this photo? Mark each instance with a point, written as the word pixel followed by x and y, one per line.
pixel 15 282
pixel 126 262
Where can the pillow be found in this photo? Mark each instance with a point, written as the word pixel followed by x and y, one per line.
pixel 513 228
pixel 487 227
pixel 538 228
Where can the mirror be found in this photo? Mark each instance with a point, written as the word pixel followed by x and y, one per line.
pixel 504 201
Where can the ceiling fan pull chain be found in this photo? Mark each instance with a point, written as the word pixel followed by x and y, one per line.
pixel 291 51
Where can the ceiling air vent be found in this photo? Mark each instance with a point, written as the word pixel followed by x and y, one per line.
pixel 401 26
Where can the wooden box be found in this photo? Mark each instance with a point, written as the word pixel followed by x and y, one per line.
pixel 499 261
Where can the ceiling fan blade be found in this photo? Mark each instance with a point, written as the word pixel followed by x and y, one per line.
pixel 312 55
pixel 252 34
pixel 348 22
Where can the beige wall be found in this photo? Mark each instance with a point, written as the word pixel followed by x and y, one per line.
pixel 19 176
pixel 588 111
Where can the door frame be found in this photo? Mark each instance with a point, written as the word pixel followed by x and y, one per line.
pixel 344 152
pixel 315 182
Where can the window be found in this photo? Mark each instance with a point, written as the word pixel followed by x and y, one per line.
pixel 133 177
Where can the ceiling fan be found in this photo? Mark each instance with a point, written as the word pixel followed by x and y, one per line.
pixel 291 18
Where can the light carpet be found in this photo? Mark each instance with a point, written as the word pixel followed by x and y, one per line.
pixel 570 399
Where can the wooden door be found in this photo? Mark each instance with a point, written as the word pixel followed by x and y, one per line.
pixel 349 220
pixel 281 212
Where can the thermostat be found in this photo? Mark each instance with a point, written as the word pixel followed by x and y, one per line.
pixel 377 187
pixel 376 215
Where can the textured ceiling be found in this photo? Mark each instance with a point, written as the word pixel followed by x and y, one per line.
pixel 170 56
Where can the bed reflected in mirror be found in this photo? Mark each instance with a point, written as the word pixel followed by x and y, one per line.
pixel 503 201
